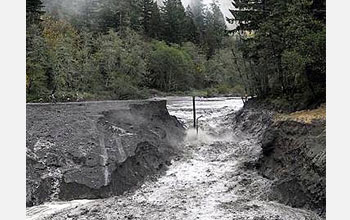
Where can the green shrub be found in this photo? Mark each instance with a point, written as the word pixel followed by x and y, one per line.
pixel 170 68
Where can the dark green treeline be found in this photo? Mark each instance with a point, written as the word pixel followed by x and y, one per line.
pixel 283 44
pixel 121 49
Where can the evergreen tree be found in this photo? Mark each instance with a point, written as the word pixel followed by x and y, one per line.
pixel 284 44
pixel 147 11
pixel 215 29
pixel 156 26
pixel 198 12
pixel 88 16
pixel 174 19
pixel 192 31
pixel 36 63
pixel 36 52
pixel 318 8
pixel 113 15
pixel 33 11
pixel 135 13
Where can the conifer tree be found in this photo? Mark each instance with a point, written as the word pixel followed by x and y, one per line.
pixel 198 12
pixel 34 10
pixel 156 26
pixel 215 29
pixel 88 16
pixel 113 15
pixel 192 31
pixel 147 15
pixel 135 13
pixel 174 18
pixel 276 40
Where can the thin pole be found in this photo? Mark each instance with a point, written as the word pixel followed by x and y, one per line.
pixel 194 111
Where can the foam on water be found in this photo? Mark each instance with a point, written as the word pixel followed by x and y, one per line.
pixel 208 182
pixel 50 208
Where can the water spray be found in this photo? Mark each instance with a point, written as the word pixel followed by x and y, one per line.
pixel 198 124
pixel 195 120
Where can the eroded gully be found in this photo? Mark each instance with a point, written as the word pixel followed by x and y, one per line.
pixel 210 181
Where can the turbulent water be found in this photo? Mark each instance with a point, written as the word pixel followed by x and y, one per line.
pixel 210 181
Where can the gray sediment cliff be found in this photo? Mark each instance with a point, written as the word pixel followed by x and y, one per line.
pixel 293 156
pixel 96 149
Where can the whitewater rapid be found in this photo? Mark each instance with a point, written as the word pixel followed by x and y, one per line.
pixel 209 181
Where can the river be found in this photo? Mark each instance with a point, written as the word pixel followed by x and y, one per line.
pixel 210 181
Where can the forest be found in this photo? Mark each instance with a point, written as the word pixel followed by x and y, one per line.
pixel 131 49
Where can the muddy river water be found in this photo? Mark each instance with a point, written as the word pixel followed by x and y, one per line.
pixel 210 181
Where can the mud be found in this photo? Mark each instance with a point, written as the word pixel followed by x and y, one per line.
pixel 293 156
pixel 215 177
pixel 96 149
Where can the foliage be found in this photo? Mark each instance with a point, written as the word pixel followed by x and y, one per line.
pixel 128 49
pixel 65 63
pixel 174 19
pixel 36 63
pixel 170 68
pixel 283 43
pixel 33 11
pixel 117 58
pixel 214 30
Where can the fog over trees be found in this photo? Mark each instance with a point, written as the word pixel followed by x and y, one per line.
pixel 120 49
pixel 123 49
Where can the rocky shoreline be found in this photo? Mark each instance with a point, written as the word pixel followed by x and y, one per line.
pixel 293 156
pixel 96 149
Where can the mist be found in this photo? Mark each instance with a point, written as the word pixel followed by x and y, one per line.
pixel 64 8
pixel 225 5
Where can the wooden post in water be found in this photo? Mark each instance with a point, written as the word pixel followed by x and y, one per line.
pixel 194 111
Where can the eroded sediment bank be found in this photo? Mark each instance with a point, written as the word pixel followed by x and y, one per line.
pixel 293 153
pixel 96 149
pixel 223 173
